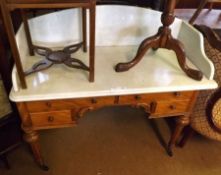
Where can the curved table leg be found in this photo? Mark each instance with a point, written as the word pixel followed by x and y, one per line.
pixel 177 47
pixel 181 122
pixel 75 63
pixel 144 46
pixel 188 132
pixel 41 65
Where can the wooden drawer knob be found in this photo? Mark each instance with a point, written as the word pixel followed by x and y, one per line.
pixel 177 94
pixel 48 104
pixel 137 97
pixel 93 100
pixel 50 118
pixel 172 107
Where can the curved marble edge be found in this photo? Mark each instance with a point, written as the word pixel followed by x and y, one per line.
pixel 15 81
pixel 111 92
pixel 194 48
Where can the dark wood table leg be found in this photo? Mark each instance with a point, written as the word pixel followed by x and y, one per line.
pixel 198 10
pixel 181 122
pixel 31 136
pixel 27 32
pixel 11 36
pixel 163 39
pixel 92 40
pixel 84 28
pixel 188 133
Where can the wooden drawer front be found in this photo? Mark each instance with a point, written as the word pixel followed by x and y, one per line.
pixel 43 120
pixel 45 1
pixel 155 97
pixel 166 108
pixel 53 105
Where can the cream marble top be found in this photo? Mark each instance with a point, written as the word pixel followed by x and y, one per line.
pixel 157 72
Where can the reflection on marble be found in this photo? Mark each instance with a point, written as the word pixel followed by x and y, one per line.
pixel 40 78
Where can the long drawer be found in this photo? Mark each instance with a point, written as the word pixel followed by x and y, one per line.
pixel 128 99
pixel 53 105
pixel 160 104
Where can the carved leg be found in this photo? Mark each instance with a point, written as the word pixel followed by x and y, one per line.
pixel 84 28
pixel 75 63
pixel 31 137
pixel 39 66
pixel 73 48
pixel 188 132
pixel 181 122
pixel 151 42
pixel 178 48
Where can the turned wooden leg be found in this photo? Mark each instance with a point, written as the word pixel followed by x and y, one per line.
pixel 178 48
pixel 181 122
pixel 188 133
pixel 151 42
pixel 84 29
pixel 92 41
pixel 197 12
pixel 31 137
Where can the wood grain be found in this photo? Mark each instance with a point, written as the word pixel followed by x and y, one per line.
pixel 52 105
pixel 128 99
pixel 52 119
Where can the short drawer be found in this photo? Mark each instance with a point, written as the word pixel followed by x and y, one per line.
pixel 54 105
pixel 139 98
pixel 167 108
pixel 54 119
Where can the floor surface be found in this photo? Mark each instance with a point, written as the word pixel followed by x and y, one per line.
pixel 117 141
